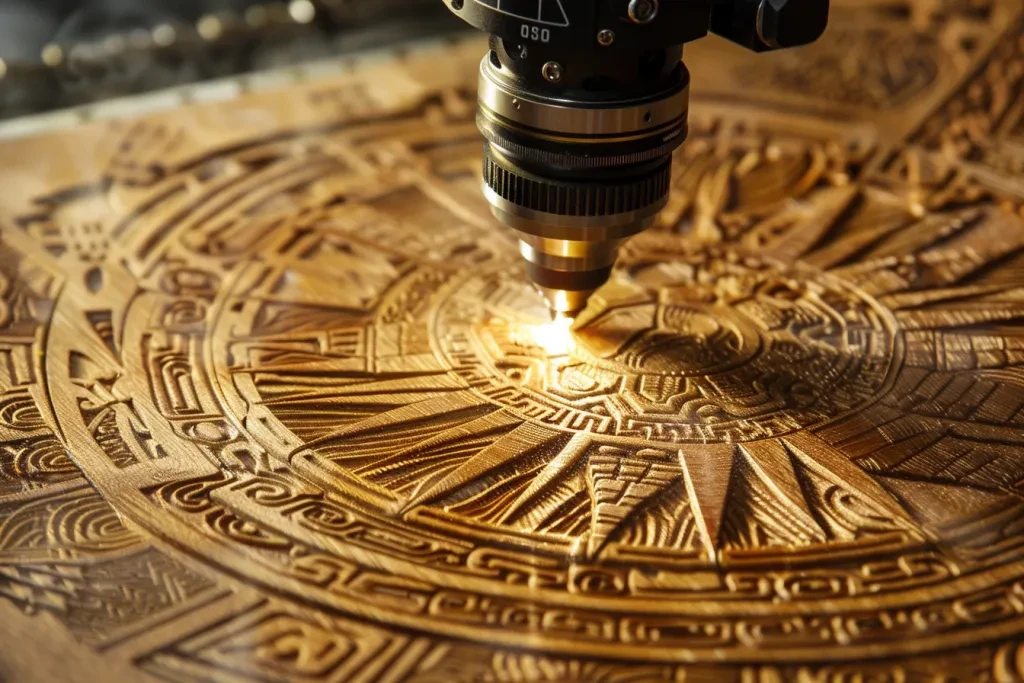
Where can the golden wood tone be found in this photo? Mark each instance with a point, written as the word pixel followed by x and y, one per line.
pixel 277 403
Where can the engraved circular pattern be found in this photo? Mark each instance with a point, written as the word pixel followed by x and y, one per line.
pixel 322 380
pixel 660 352
pixel 276 404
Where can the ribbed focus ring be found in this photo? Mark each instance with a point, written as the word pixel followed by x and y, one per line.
pixel 576 199
pixel 582 156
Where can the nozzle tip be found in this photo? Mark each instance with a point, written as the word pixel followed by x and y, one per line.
pixel 565 302
pixel 562 315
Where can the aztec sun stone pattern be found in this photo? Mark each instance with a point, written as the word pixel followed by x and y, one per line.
pixel 282 378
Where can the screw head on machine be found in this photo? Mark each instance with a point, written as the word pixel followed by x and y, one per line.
pixel 642 11
pixel 605 37
pixel 552 71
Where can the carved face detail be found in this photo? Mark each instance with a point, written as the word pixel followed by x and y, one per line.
pixel 676 336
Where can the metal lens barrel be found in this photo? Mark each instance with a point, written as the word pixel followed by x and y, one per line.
pixel 576 179
pixel 582 103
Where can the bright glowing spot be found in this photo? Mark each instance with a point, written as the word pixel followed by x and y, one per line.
pixel 302 11
pixel 554 337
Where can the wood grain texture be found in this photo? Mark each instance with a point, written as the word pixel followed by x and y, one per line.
pixel 276 402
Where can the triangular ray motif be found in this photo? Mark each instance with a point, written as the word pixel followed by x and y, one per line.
pixel 707 470
pixel 930 233
pixel 316 408
pixel 880 216
pixel 755 518
pixel 360 443
pixel 519 444
pixel 355 387
pixel 842 475
pixel 771 463
pixel 421 465
pixel 791 244
pixel 566 509
pixel 411 414
pixel 947 296
pixel 619 487
pixel 971 248
pixel 666 522
pixel 555 471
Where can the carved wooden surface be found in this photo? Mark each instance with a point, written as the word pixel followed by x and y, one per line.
pixel 278 405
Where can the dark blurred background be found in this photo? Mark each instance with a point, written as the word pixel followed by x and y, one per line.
pixel 60 53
